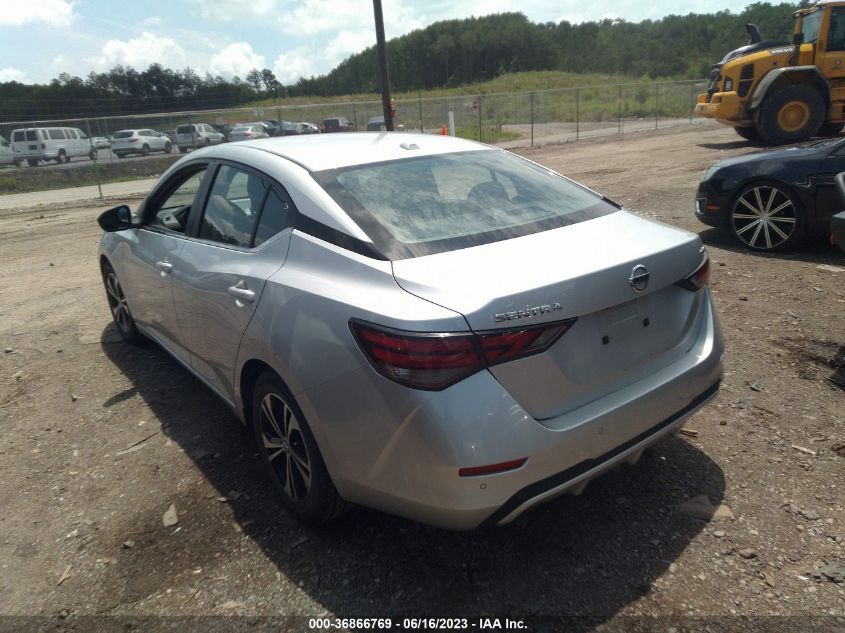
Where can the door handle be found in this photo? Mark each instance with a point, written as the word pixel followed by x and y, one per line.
pixel 240 292
pixel 165 267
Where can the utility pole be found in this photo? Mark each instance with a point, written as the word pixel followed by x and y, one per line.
pixel 382 65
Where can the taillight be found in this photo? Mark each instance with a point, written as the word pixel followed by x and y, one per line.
pixel 434 361
pixel 43 145
pixel 699 278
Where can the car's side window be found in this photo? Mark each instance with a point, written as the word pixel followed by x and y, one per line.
pixel 836 30
pixel 275 217
pixel 232 207
pixel 172 211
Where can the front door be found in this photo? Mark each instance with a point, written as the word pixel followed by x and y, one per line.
pixel 239 241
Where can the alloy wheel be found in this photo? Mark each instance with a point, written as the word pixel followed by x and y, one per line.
pixel 117 303
pixel 284 447
pixel 764 217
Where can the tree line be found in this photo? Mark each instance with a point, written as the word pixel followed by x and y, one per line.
pixel 445 54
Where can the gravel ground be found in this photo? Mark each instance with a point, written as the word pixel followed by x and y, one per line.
pixel 101 439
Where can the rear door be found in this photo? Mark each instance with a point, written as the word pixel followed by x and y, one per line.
pixel 238 241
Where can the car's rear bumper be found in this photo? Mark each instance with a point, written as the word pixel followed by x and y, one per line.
pixel 403 455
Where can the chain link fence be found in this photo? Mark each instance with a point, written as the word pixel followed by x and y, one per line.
pixel 512 120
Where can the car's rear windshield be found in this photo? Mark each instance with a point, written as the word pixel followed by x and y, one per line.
pixel 432 204
pixel 29 135
pixel 185 129
pixel 124 134
pixel 331 122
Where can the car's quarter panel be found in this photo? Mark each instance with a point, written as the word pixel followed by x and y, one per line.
pixel 211 318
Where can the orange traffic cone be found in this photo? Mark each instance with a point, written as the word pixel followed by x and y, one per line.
pixel 443 130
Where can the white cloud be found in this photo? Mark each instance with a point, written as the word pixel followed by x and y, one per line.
pixel 51 12
pixel 235 10
pixel 141 51
pixel 236 59
pixel 290 66
pixel 11 74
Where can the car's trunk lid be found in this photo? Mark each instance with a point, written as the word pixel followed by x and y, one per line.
pixel 580 271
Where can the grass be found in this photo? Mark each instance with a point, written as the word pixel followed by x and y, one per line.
pixel 27 179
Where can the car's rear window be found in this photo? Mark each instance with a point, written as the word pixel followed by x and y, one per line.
pixel 185 129
pixel 432 204
pixel 124 134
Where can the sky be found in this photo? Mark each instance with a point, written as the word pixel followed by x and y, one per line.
pixel 40 39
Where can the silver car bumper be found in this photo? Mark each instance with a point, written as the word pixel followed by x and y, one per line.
pixel 402 452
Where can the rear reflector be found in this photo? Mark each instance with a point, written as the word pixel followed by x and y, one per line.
pixel 699 278
pixel 434 361
pixel 492 468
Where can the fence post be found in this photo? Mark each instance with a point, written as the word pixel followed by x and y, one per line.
pixel 656 102
pixel 419 101
pixel 531 99
pixel 354 117
pixel 577 113
pixel 691 101
pixel 96 161
pixel 620 109
pixel 480 120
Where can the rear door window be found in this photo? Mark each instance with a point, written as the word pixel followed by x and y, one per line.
pixel 18 136
pixel 276 216
pixel 232 207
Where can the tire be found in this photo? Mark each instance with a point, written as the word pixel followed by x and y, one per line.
pixel 145 150
pixel 120 154
pixel 752 212
pixel 32 162
pixel 119 307
pixel 183 150
pixel 748 133
pixel 168 148
pixel 290 454
pixel 790 115
pixel 61 157
pixel 831 129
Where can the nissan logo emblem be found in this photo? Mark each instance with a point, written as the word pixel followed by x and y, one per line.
pixel 639 278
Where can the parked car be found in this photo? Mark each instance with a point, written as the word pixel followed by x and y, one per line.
pixel 224 129
pixel 286 128
pixel 837 222
pixel 375 124
pixel 193 135
pixel 337 124
pixel 421 324
pixel 772 200
pixel 308 128
pixel 7 156
pixel 248 132
pixel 101 142
pixel 60 144
pixel 274 127
pixel 139 142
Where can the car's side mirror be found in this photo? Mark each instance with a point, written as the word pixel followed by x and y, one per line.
pixel 116 219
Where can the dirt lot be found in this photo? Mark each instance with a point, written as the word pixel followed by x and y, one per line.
pixel 82 529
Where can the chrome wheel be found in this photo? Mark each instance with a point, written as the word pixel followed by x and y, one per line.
pixel 117 303
pixel 285 447
pixel 764 217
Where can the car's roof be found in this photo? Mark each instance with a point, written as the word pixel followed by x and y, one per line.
pixel 332 151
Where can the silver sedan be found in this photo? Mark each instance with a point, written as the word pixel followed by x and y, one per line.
pixel 420 324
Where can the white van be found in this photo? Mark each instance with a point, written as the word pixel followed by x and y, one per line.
pixel 51 143
pixel 7 156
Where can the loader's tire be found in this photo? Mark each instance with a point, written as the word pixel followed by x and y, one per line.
pixel 831 129
pixel 790 115
pixel 748 133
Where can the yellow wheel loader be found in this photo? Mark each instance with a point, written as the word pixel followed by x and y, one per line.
pixel 781 92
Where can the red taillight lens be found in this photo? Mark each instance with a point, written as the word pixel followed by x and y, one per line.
pixel 421 361
pixel 506 345
pixel 435 361
pixel 699 278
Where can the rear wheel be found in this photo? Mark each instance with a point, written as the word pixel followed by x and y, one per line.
pixel 145 150
pixel 168 148
pixel 831 129
pixel 767 217
pixel 119 306
pixel 748 133
pixel 183 150
pixel 119 154
pixel 290 454
pixel 32 162
pixel 790 115
pixel 61 157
